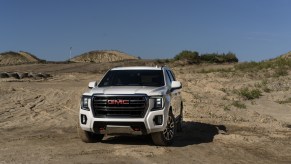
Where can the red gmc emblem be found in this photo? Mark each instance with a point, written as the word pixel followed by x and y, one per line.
pixel 117 102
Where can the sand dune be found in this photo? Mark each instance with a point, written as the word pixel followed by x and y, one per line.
pixel 13 58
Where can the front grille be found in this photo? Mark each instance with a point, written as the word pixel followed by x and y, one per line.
pixel 132 106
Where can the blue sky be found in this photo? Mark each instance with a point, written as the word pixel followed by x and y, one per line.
pixel 253 29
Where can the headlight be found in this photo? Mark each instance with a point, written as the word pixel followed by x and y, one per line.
pixel 158 103
pixel 85 102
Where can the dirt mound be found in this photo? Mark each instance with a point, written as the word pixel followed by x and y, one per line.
pixel 102 56
pixel 13 58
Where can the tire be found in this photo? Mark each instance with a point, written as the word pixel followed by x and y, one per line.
pixel 166 137
pixel 180 121
pixel 89 137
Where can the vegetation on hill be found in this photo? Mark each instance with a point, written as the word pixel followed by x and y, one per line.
pixel 194 57
pixel 219 58
pixel 102 56
pixel 279 65
pixel 8 53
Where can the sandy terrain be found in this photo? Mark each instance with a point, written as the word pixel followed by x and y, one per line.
pixel 38 120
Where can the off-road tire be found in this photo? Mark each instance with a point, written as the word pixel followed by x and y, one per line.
pixel 166 137
pixel 89 137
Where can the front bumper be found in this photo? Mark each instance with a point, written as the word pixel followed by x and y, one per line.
pixel 135 126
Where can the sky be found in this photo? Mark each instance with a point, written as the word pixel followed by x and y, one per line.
pixel 254 30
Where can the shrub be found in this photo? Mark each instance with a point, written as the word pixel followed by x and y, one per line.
pixel 226 108
pixel 281 71
pixel 167 60
pixel 249 94
pixel 219 58
pixel 231 57
pixel 192 56
pixel 239 105
pixel 159 61
pixel 266 89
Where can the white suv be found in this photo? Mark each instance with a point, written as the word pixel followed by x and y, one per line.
pixel 132 100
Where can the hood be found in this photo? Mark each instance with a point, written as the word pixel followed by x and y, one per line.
pixel 129 90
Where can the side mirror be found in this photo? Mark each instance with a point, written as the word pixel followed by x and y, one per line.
pixel 92 84
pixel 176 85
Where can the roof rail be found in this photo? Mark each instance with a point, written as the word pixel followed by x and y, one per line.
pixel 164 66
pixel 161 66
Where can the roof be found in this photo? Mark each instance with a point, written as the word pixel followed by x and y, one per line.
pixel 137 68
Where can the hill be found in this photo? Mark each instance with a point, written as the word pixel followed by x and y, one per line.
pixel 286 56
pixel 102 56
pixel 14 58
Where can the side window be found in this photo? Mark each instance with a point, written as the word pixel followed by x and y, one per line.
pixel 169 76
pixel 168 79
pixel 173 75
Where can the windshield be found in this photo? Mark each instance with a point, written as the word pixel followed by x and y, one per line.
pixel 133 78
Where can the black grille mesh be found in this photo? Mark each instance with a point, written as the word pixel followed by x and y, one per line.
pixel 136 107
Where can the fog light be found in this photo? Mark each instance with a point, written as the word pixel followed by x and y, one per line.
pixel 158 120
pixel 83 119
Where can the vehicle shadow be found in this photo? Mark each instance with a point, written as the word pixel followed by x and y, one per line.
pixel 197 133
pixel 193 133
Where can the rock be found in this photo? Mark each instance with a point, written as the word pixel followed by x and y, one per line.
pixel 19 75
pixel 31 75
pixel 13 74
pixel 47 75
pixel 40 75
pixel 3 75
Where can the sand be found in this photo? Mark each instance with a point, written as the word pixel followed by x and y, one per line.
pixel 38 120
